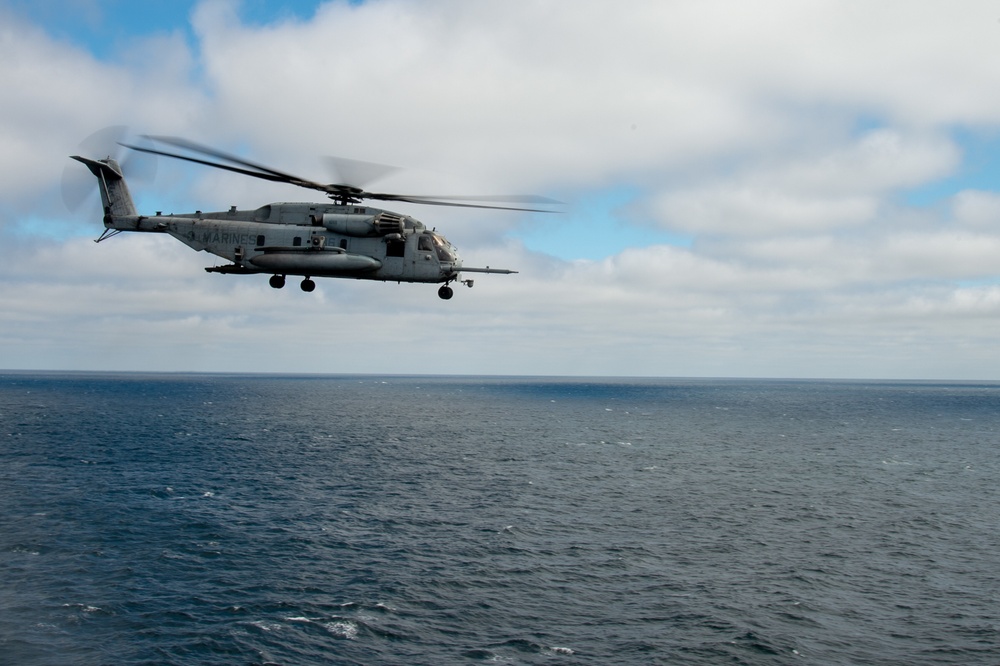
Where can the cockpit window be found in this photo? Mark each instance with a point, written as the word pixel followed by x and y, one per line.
pixel 443 248
pixel 439 245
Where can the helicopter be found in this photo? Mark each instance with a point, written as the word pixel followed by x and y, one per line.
pixel 342 239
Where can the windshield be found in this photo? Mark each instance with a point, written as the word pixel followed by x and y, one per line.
pixel 445 252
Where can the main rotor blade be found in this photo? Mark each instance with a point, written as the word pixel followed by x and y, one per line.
pixel 349 191
pixel 427 201
pixel 357 173
pixel 497 198
pixel 178 142
pixel 264 173
pixel 217 165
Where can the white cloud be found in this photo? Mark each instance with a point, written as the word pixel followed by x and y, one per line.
pixel 977 209
pixel 841 188
pixel 56 95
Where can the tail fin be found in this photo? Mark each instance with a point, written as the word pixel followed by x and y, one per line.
pixel 115 197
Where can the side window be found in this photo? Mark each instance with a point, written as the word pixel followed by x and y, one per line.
pixel 424 244
pixel 395 248
pixel 297 241
pixel 343 243
pixel 260 240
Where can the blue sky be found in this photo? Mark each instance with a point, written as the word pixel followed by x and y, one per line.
pixel 103 27
pixel 594 226
pixel 794 190
pixel 979 169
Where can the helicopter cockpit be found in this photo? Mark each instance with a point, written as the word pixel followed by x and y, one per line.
pixel 439 245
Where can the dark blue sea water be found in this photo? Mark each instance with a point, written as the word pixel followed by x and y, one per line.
pixel 206 519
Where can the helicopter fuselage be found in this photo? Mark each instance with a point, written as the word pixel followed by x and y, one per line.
pixel 317 240
pixel 312 240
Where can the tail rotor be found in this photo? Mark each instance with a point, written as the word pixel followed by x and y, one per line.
pixel 78 185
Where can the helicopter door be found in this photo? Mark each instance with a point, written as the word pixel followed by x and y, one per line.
pixel 425 262
pixel 392 256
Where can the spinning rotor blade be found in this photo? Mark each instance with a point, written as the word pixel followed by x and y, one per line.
pixel 255 170
pixel 498 198
pixel 359 173
pixel 356 173
pixel 78 184
pixel 104 142
pixel 350 191
pixel 441 201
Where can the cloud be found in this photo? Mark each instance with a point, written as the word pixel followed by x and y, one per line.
pixel 769 149
pixel 56 95
pixel 845 187
pixel 976 209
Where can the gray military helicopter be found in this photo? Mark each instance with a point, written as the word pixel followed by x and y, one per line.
pixel 343 239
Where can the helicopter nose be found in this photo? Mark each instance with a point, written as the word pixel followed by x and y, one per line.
pixel 451 269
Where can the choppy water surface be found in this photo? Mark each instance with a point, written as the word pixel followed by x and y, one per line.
pixel 369 520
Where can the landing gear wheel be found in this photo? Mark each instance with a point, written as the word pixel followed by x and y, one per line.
pixel 446 292
pixel 308 285
pixel 277 281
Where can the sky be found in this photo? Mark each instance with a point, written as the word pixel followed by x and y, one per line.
pixel 783 188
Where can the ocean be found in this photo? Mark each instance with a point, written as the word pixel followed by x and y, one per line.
pixel 237 519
